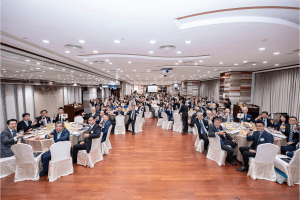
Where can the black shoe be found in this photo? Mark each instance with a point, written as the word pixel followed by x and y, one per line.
pixel 242 169
pixel 43 173
pixel 231 162
pixel 133 133
pixel 205 152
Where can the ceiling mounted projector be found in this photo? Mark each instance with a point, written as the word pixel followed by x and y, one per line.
pixel 166 70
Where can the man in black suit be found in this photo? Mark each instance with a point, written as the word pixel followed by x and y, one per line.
pixel 132 117
pixel 292 136
pixel 119 111
pixel 194 116
pixel 92 113
pixel 43 120
pixel 26 125
pixel 9 137
pixel 93 132
pixel 264 118
pixel 100 118
pixel 217 131
pixel 185 114
pixel 202 127
pixel 59 116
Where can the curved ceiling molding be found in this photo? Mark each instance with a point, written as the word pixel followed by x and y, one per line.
pixel 141 56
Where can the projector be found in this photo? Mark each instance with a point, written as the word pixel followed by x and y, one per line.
pixel 166 70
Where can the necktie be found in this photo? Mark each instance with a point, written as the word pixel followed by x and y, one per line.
pixel 203 130
pixel 220 136
pixel 27 123
pixel 60 118
pixel 45 122
pixel 291 134
pixel 265 123
pixel 245 116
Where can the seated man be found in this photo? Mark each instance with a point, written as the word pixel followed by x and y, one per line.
pixel 226 116
pixel 119 111
pixel 161 110
pixel 43 120
pixel 93 132
pixel 247 117
pixel 92 113
pixel 151 109
pixel 258 137
pixel 202 127
pixel 264 118
pixel 169 112
pixel 209 118
pixel 26 125
pixel 60 133
pixel 225 139
pixel 194 116
pixel 290 148
pixel 9 137
pixel 132 117
pixel 104 127
pixel 59 116
pixel 292 134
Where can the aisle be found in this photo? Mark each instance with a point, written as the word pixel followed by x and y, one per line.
pixel 154 164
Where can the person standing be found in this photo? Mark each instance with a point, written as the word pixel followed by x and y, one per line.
pixel 185 114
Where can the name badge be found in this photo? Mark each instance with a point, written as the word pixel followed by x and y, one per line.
pixel 248 118
pixel 262 139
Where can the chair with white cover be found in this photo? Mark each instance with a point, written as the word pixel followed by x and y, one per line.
pixel 177 126
pixel 78 119
pixel 166 123
pixel 61 163
pixel 106 146
pixel 199 142
pixel 160 121
pixel 7 166
pixel 262 166
pixel 215 152
pixel 95 155
pixel 291 169
pixel 120 125
pixel 148 114
pixel 28 167
pixel 138 123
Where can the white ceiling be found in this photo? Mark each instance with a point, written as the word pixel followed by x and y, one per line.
pixel 230 37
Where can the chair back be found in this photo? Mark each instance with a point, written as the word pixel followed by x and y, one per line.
pixel 165 117
pixel 108 133
pixel 266 153
pixel 196 129
pixel 78 119
pixel 119 120
pixel 23 153
pixel 147 109
pixel 214 142
pixel 96 142
pixel 60 151
pixel 177 119
pixel 139 118
pixel 295 160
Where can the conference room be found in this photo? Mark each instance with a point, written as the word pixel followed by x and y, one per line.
pixel 150 99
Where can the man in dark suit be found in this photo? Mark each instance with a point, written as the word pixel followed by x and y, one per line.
pixel 92 113
pixel 185 114
pixel 202 127
pixel 26 125
pixel 60 133
pixel 119 111
pixel 264 118
pixel 292 136
pixel 194 116
pixel 43 120
pixel 258 137
pixel 104 127
pixel 59 116
pixel 132 117
pixel 217 131
pixel 9 137
pixel 247 117
pixel 93 132
pixel 100 118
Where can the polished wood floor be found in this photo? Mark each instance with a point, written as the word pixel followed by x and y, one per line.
pixel 153 164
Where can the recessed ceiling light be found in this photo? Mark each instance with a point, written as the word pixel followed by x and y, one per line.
pixel 276 53
pixel 188 42
pixel 265 62
pixel 117 41
pixel 179 60
pixel 37 68
pixel 81 41
pixel 46 41
pixel 152 41
pixel 103 69
pixel 216 69
pixel 90 63
pixel 84 60
pixel 221 63
pixel 276 64
pixel 50 68
pixel 179 52
pixel 229 70
pixel 208 71
pixel 67 51
pixel 236 64
pixel 129 62
pixel 150 51
pixel 121 71
pixel 110 63
pixel 23 70
pixel 134 70
pixel 245 61
pixel 106 60
pixel 262 48
pixel 27 60
pixel 253 64
pixel 95 51
pixel 195 63
pixel 64 69
pixel 17 71
pixel 22 75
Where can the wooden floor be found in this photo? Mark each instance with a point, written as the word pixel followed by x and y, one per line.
pixel 153 164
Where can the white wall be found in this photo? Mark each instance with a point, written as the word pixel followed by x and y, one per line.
pixel 11 99
pixel 21 100
pixel 29 101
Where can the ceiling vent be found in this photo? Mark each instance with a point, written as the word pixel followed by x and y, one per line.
pixel 98 62
pixel 167 47
pixel 73 46
pixel 188 62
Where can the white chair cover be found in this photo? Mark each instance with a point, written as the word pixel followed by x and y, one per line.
pixel 28 167
pixel 120 125
pixel 160 122
pixel 200 147
pixel 106 146
pixel 291 169
pixel 78 119
pixel 177 126
pixel 148 114
pixel 215 152
pixel 262 166
pixel 198 139
pixel 166 123
pixel 138 123
pixel 95 155
pixel 7 166
pixel 61 163
pixel 195 130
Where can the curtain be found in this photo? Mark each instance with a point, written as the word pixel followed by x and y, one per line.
pixel 278 91
pixel 210 88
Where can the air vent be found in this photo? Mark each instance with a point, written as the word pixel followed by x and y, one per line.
pixel 73 46
pixel 167 47
pixel 98 62
pixel 188 62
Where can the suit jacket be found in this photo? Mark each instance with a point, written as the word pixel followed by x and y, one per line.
pixel 288 132
pixel 56 119
pixel 265 138
pixel 197 123
pixel 104 129
pixel 135 114
pixel 22 126
pixel 7 140
pixel 64 136
pixel 229 118
pixel 89 115
pixel 269 123
pixel 193 118
pixel 170 114
pixel 184 110
pixel 94 133
pixel 38 119
pixel 192 106
pixel 212 130
pixel 117 113
pixel 247 118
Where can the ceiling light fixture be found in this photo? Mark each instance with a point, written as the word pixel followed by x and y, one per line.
pixel 276 53
pixel 46 41
pixel 150 51
pixel 253 64
pixel 276 64
pixel 188 42
pixel 81 41
pixel 90 63
pixel 117 41
pixel 95 51
pixel 221 63
pixel 84 60
pixel 262 48
pixel 236 64
pixel 107 60
pixel 265 62
pixel 110 63
pixel 27 60
pixel 129 62
pixel 178 52
pixel 152 41
pixel 36 68
pixel 245 61
pixel 67 51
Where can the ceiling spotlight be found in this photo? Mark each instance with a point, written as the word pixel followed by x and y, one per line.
pixel 179 52
pixel 95 51
pixel 84 60
pixel 27 60
pixel 221 63
pixel 129 62
pixel 106 60
pixel 35 68
pixel 188 42
pixel 46 41
pixel 236 64
pixel 117 41
pixel 91 63
pixel 38 63
pixel 110 63
pixel 195 63
pixel 261 49
pixel 276 53
pixel 67 51
pixel 81 41
pixel 253 64
pixel 23 70
pixel 103 69
pixel 176 63
pixel 208 71
pixel 245 61
pixel 179 60
pixel 265 62
pixel 121 71
pixel 50 68
pixel 216 69
pixel 276 64
pixel 200 60
pixel 150 51
pixel 229 70
pixel 152 41
pixel 134 70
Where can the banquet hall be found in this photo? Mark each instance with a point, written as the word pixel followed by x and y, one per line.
pixel 150 99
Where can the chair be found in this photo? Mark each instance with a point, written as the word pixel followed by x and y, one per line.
pixel 199 142
pixel 95 155
pixel 28 167
pixel 61 163
pixel 138 123
pixel 262 166
pixel 148 114
pixel 160 122
pixel 215 152
pixel 7 166
pixel 177 126
pixel 106 146
pixel 291 169
pixel 78 119
pixel 166 123
pixel 120 125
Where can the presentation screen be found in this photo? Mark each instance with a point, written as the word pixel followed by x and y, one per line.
pixel 152 88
